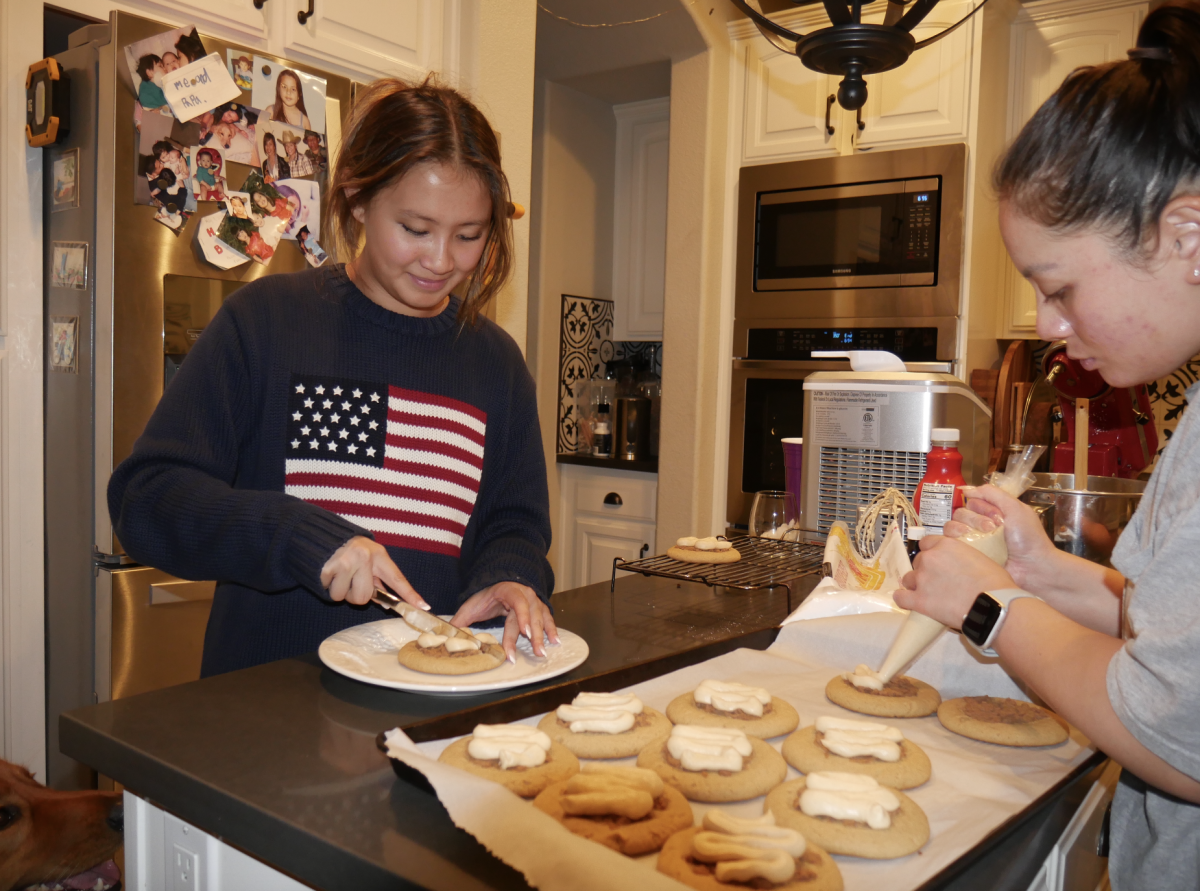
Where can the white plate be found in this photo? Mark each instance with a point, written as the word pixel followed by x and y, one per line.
pixel 367 653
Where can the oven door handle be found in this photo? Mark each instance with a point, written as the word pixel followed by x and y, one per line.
pixel 791 365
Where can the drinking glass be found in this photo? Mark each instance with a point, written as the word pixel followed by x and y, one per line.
pixel 774 515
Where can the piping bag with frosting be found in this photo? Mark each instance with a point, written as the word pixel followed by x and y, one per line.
pixel 918 630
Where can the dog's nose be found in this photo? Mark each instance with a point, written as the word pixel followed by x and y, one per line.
pixel 116 818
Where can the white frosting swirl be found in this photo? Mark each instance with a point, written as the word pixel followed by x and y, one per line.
pixel 635 777
pixel 730 696
pixel 852 739
pixel 513 745
pixel 748 849
pixel 427 640
pixel 848 796
pixel 601 712
pixel 688 541
pixel 864 679
pixel 461 644
pixel 484 638
pixel 709 748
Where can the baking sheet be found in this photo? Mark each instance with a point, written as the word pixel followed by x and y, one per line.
pixel 975 786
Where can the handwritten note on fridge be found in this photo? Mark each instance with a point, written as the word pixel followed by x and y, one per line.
pixel 199 87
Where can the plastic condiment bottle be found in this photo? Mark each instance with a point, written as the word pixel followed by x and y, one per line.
pixel 602 433
pixel 940 491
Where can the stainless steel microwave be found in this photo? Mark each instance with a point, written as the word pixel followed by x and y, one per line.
pixel 867 240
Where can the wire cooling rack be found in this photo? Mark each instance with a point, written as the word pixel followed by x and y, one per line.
pixel 765 563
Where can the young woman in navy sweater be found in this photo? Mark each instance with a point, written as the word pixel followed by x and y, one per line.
pixel 360 425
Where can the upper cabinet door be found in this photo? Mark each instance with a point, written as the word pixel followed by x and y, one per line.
pixel 927 99
pixel 239 15
pixel 785 106
pixel 378 37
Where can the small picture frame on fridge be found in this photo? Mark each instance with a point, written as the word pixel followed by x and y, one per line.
pixel 64 344
pixel 69 265
pixel 65 170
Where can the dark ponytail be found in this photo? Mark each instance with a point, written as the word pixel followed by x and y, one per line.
pixel 1116 142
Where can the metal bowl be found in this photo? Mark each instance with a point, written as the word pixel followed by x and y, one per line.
pixel 1086 522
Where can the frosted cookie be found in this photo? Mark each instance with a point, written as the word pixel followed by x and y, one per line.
pixel 714 763
pixel 853 746
pixel 628 809
pixel 902 697
pixel 732 852
pixel 605 725
pixel 1006 722
pixel 438 654
pixel 522 759
pixel 729 704
pixel 850 814
pixel 703 550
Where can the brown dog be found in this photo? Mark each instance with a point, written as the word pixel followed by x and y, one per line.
pixel 56 839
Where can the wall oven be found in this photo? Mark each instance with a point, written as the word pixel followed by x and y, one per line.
pixel 867 241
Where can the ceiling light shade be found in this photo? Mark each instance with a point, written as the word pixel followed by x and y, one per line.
pixel 852 48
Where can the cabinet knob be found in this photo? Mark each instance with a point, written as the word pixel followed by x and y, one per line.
pixel 614 499
pixel 642 552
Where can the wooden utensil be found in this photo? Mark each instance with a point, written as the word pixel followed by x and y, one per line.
pixel 1081 443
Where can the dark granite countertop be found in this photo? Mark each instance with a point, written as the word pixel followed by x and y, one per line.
pixel 280 760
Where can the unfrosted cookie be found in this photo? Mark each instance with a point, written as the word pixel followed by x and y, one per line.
pixel 909 829
pixel 760 771
pixel 806 754
pixel 671 813
pixel 815 869
pixel 695 555
pixel 901 697
pixel 1005 722
pixel 438 660
pixel 648 726
pixel 778 717
pixel 527 782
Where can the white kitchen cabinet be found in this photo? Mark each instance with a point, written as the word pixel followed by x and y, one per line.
pixel 602 514
pixel 399 37
pixel 1049 40
pixel 238 15
pixel 640 218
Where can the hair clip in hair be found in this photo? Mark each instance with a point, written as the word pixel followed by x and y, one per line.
pixel 1155 53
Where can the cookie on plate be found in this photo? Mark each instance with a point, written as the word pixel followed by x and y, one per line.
pixel 714 763
pixel 703 550
pixel 853 746
pixel 1005 722
pixel 720 855
pixel 522 759
pixel 438 654
pixel 730 704
pixel 901 697
pixel 605 725
pixel 850 814
pixel 628 809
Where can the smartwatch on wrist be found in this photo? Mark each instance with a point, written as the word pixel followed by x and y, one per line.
pixel 983 621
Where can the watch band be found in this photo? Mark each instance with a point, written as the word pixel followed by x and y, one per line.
pixel 1004 597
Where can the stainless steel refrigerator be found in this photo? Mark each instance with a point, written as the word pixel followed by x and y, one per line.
pixel 114 335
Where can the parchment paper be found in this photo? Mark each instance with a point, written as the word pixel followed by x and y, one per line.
pixel 975 786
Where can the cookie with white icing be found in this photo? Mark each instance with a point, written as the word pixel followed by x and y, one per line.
pixel 704 550
pixel 714 763
pixel 438 654
pixel 521 758
pixel 864 747
pixel 850 814
pixel 902 697
pixel 730 704
pixel 605 725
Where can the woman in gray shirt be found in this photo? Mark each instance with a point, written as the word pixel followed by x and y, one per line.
pixel 1100 211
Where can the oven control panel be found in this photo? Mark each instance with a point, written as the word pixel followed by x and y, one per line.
pixel 910 344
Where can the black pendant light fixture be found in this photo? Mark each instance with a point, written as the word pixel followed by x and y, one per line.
pixel 852 48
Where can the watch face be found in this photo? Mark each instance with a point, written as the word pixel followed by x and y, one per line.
pixel 981 619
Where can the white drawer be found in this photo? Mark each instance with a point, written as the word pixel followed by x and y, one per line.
pixel 616 494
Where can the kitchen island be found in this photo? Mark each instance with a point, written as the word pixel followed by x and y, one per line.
pixel 280 762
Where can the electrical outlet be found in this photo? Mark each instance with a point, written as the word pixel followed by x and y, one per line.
pixel 183 847
pixel 184 870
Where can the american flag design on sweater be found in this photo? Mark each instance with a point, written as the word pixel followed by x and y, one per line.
pixel 402 463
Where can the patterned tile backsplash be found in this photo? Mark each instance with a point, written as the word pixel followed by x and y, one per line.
pixel 585 344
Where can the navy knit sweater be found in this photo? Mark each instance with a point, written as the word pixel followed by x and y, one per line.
pixel 306 415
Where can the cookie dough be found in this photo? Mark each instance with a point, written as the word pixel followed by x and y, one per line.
pixel 1005 722
pixel 901 697
pixel 596 710
pixel 908 831
pixel 775 717
pixel 815 869
pixel 558 764
pixel 703 550
pixel 804 752
pixel 761 767
pixel 669 810
pixel 436 654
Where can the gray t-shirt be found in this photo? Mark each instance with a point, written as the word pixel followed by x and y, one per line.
pixel 1154 680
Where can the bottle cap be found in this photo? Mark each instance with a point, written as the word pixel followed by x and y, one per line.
pixel 915 533
pixel 944 434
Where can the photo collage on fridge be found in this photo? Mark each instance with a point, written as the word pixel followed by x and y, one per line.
pixel 197 134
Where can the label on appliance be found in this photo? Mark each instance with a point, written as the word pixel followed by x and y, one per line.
pixel 847 418
pixel 937 506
